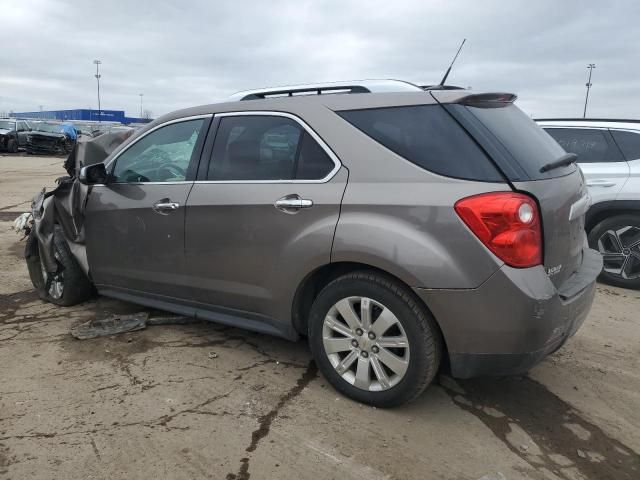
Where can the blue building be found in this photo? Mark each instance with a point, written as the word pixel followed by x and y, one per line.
pixel 83 114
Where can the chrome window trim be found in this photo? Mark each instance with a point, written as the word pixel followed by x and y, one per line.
pixel 267 113
pixel 182 182
pixel 160 125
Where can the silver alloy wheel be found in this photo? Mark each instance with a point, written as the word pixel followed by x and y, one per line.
pixel 620 251
pixel 56 282
pixel 366 343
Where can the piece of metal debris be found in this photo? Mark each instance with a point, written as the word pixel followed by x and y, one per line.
pixel 125 323
pixel 213 355
pixel 110 326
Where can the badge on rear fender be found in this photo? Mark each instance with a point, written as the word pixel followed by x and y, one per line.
pixel 551 271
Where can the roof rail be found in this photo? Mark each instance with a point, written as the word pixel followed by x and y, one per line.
pixel 353 86
pixel 619 120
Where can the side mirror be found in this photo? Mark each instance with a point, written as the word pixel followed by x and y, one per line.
pixel 92 174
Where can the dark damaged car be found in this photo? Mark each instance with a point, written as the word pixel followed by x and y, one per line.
pixel 51 138
pixel 13 134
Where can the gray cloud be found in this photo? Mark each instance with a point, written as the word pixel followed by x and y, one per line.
pixel 193 52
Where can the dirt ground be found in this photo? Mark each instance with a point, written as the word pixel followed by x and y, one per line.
pixel 158 404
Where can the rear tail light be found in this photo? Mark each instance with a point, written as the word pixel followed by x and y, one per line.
pixel 507 223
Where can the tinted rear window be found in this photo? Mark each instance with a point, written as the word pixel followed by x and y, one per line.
pixel 527 143
pixel 427 136
pixel 629 143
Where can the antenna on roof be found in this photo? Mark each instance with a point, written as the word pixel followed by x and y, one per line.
pixel 444 79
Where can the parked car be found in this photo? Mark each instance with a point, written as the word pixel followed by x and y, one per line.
pixel 13 134
pixel 50 138
pixel 392 226
pixel 88 129
pixel 609 155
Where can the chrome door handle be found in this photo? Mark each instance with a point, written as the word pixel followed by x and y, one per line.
pixel 600 183
pixel 165 206
pixel 292 202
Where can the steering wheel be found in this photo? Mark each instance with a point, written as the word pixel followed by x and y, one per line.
pixel 172 171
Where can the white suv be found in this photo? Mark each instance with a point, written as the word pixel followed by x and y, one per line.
pixel 609 156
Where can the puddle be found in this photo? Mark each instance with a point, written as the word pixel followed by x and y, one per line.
pixel 563 441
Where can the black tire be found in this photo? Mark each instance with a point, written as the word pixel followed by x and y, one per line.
pixel 76 287
pixel 615 224
pixel 422 332
pixel 12 145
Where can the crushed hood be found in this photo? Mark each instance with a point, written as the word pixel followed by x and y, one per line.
pixel 65 205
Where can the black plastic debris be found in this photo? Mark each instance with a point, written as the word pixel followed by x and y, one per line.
pixel 110 326
pixel 116 324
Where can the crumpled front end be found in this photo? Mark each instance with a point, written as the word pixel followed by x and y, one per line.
pixel 47 144
pixel 65 205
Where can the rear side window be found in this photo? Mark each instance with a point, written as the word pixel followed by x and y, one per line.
pixel 427 136
pixel 591 145
pixel 629 143
pixel 263 147
pixel 313 161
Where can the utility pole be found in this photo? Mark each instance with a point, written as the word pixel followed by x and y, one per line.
pixel 591 66
pixel 141 94
pixel 97 64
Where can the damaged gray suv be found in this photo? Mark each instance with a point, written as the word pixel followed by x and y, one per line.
pixel 396 228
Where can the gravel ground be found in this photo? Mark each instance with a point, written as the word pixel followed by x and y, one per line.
pixel 158 404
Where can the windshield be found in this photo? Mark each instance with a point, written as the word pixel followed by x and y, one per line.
pixel 7 125
pixel 48 127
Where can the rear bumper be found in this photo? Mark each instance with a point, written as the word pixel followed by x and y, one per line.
pixel 514 319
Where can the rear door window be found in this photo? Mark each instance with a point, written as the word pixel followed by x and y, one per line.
pixel 427 136
pixel 313 161
pixel 266 147
pixel 589 144
pixel 629 143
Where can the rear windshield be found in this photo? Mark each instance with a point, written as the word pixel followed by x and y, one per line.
pixel 529 145
pixel 427 136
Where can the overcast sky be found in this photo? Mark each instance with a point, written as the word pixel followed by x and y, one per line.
pixel 185 53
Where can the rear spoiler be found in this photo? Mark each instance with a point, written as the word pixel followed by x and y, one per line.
pixel 488 100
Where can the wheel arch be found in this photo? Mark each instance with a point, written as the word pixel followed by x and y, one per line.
pixel 603 210
pixel 314 282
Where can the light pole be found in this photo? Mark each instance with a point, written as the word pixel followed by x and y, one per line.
pixel 97 64
pixel 591 66
pixel 141 94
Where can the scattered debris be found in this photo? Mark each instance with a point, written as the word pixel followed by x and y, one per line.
pixel 127 323
pixel 110 326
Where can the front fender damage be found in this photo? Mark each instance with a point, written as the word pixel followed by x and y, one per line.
pixel 63 208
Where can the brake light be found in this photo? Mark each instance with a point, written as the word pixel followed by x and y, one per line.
pixel 507 223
